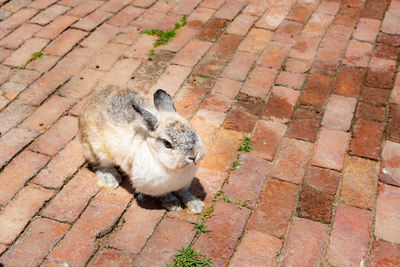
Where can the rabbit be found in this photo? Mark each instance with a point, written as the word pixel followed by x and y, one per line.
pixel 148 140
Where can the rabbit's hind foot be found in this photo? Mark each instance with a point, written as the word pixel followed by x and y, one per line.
pixel 171 202
pixel 108 177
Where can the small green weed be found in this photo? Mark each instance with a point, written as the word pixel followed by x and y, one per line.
pixel 199 226
pixel 245 146
pixel 207 213
pixel 164 37
pixel 217 195
pixel 226 199
pixel 34 56
pixel 189 257
pixel 240 203
pixel 236 164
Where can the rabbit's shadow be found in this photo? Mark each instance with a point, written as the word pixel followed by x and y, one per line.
pixel 152 203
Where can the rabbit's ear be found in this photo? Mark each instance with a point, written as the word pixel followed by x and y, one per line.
pixel 147 116
pixel 163 101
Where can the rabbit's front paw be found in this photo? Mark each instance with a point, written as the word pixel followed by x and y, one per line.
pixel 196 206
pixel 108 178
pixel 171 202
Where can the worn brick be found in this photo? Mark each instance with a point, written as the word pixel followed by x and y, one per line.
pixel 188 100
pixel 171 234
pixel 380 73
pixel 17 172
pixel 206 123
pixel 367 139
pixel 259 81
pixel 247 180
pixel 239 66
pixel 43 63
pixel 298 251
pixel 280 104
pixel 126 15
pixel 84 8
pixel 14 141
pixel 105 58
pixel 33 245
pixel 257 248
pixel 20 57
pixel 41 4
pixel 230 9
pixel 19 36
pixel 274 16
pixel 330 149
pixel 49 14
pixel 191 53
pixel 249 104
pixel 291 79
pixel 92 20
pixel 327 61
pixel 337 36
pixel 18 18
pixel 241 24
pixel 318 24
pixel 227 87
pixel 348 82
pixel 65 42
pixel 297 65
pixel 266 138
pixel 255 41
pixel 16 215
pixel 322 179
pixel 111 257
pixel 212 30
pixel 25 76
pixel 256 7
pixel 316 91
pixel 384 254
pixel 305 47
pixel 357 54
pixel 339 112
pixel 52 30
pixel 13 115
pixel 390 171
pixel 273 55
pixel 391 22
pixel 123 68
pixel 367 29
pixel 80 241
pixel 115 5
pixel 375 96
pixel 101 36
pixel 81 85
pixel 241 121
pixel 274 208
pixel 287 32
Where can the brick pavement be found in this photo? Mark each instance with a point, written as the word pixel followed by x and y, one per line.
pixel 314 83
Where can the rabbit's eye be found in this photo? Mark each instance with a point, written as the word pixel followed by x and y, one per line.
pixel 167 144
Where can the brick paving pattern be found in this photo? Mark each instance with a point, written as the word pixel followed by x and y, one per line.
pixel 315 84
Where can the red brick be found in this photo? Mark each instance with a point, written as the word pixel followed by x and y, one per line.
pixel 390 171
pixel 337 37
pixel 241 121
pixel 47 113
pixel 17 172
pixel 81 85
pixel 170 236
pixel 13 115
pixel 347 16
pixel 229 220
pixel 259 82
pixel 199 16
pixel 292 160
pixel 127 239
pixel 349 239
pixel 387 214
pixel 374 9
pixel 266 138
pixel 210 182
pixel 257 248
pixel 367 29
pixel 246 181
pixel 230 9
pixel 380 73
pixel 241 24
pixel 92 20
pixel 215 4
pixel 33 245
pixel 317 25
pixel 280 104
pixel 125 16
pixel 305 47
pixel 206 123
pixel 14 141
pixel 388 39
pixel 105 58
pixel 123 69
pixel 274 16
pixel 256 8
pixel 357 54
pixel 72 199
pixel 41 4
pixel 57 136
pixel 360 182
pixel 212 30
pixel 191 53
pixel 52 30
pixel 101 36
pixel 298 251
pixel 223 152
pixel 185 7
pixel 49 14
pixel 84 8
pixel 291 79
pixel 19 36
pixel 315 205
pixel 304 129
pixel 25 76
pixel 20 57
pixel 172 79
pixel 249 104
pixel 62 166
pixel 301 12
pixel 255 41
pixel 316 91
pixel 370 112
pixel 393 127
pixel 330 149
pixel 239 66
pixel 274 208
pixel 111 257
pixel 391 22
pixel 80 241
pixel 297 65
pixel 384 254
pixel 115 5
pixel 18 18
pixel 374 96
pixel 367 139
pixel 225 47
pixel 322 179
pixel 349 81
pixel 43 63
pixel 16 215
pixel 339 112
pixel 65 42
pixel 327 61
pixel 273 55
pixel 188 100
pixel 287 32
pixel 227 87
pixel 4 53
pixel 386 51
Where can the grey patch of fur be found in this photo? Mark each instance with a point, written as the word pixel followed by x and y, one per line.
pixel 183 137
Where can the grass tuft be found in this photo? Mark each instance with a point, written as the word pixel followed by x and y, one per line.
pixel 245 146
pixel 189 257
pixel 236 165
pixel 199 226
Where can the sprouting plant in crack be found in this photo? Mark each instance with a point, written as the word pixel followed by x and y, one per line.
pixel 200 228
pixel 207 213
pixel 34 56
pixel 164 36
pixel 189 257
pixel 236 165
pixel 245 145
